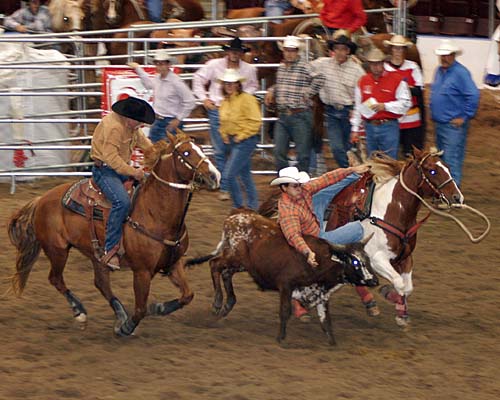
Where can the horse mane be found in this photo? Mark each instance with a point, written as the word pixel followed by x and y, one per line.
pixel 153 154
pixel 384 167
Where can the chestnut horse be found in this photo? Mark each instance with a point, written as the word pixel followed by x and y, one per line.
pixel 392 217
pixel 154 239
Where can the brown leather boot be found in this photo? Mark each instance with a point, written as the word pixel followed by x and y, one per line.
pixel 111 260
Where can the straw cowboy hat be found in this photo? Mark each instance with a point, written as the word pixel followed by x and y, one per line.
pixel 291 175
pixel 235 45
pixel 136 109
pixel 231 75
pixel 290 42
pixel 163 55
pixel 342 39
pixel 447 47
pixel 398 41
pixel 375 55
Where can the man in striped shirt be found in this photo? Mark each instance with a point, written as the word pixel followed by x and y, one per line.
pixel 337 92
pixel 295 86
pixel 301 209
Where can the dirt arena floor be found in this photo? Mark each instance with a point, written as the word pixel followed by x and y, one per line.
pixel 450 352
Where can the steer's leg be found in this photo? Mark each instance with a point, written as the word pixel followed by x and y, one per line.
pixel 227 278
pixel 326 322
pixel 285 312
pixel 217 265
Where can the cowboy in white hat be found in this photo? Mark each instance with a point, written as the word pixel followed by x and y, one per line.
pixel 301 210
pixel 209 75
pixel 296 85
pixel 381 98
pixel 111 152
pixel 173 101
pixel 411 125
pixel 453 103
pixel 337 92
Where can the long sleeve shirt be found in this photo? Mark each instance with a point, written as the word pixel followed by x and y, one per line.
pixel 113 142
pixel 171 96
pixel 343 14
pixel 296 84
pixel 453 94
pixel 240 116
pixel 389 89
pixel 341 80
pixel 39 22
pixel 296 215
pixel 212 71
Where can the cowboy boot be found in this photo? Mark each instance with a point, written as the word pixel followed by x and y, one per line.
pixel 111 260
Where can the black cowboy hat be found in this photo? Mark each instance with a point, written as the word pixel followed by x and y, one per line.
pixel 136 109
pixel 342 39
pixel 236 44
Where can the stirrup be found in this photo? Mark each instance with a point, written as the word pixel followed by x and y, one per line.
pixel 107 257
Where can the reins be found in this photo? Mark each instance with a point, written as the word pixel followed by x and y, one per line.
pixel 442 213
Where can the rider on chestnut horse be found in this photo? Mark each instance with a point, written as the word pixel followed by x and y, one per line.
pixel 112 143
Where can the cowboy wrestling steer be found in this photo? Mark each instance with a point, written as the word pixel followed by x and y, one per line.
pixel 256 244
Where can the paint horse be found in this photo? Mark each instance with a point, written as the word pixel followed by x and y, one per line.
pixel 389 211
pixel 155 236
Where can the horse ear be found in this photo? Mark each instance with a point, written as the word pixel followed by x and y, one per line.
pixel 417 152
pixel 367 239
pixel 171 138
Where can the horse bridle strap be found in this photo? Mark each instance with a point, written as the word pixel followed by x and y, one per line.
pixel 175 185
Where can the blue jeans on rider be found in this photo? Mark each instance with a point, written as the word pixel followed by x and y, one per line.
pixel 155 10
pixel 297 128
pixel 237 172
pixel 157 131
pixel 276 8
pixel 452 141
pixel 218 145
pixel 111 184
pixel 339 133
pixel 383 137
pixel 349 233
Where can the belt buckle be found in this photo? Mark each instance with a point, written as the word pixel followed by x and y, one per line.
pixel 338 107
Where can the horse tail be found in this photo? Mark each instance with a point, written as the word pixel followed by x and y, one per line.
pixel 200 260
pixel 22 235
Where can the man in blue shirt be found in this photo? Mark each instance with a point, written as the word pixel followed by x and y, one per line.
pixel 454 102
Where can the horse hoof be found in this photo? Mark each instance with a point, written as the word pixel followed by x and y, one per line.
pixel 372 309
pixel 403 322
pixel 81 318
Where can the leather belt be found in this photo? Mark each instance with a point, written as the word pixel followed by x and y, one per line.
pixel 291 111
pixel 378 121
pixel 100 164
pixel 339 106
pixel 162 117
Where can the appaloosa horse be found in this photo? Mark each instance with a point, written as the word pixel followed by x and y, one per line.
pixel 253 243
pixel 390 212
pixel 154 236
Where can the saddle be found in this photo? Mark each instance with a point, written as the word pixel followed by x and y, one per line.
pixel 353 203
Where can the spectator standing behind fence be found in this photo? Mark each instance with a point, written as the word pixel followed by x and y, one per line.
pixel 240 121
pixel 381 98
pixel 454 102
pixel 33 18
pixel 208 75
pixel 343 14
pixel 277 8
pixel 172 99
pixel 337 92
pixel 411 125
pixel 295 86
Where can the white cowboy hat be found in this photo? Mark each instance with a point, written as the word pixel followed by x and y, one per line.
pixel 398 41
pixel 290 42
pixel 163 55
pixel 498 5
pixel 375 55
pixel 291 175
pixel 447 47
pixel 231 75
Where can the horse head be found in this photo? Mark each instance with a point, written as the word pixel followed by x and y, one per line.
pixel 357 267
pixel 435 178
pixel 180 162
pixel 112 12
pixel 67 15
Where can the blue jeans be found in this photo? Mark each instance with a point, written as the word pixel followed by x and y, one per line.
pixel 452 141
pixel 155 10
pixel 383 137
pixel 348 233
pixel 238 166
pixel 111 184
pixel 339 133
pixel 276 8
pixel 218 145
pixel 158 129
pixel 296 128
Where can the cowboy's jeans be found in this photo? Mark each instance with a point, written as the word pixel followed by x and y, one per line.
pixel 217 144
pixel 276 8
pixel 339 133
pixel 238 166
pixel 349 233
pixel 157 131
pixel 384 137
pixel 452 141
pixel 111 184
pixel 155 10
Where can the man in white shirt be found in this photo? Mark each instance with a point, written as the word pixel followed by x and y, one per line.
pixel 208 75
pixel 172 99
